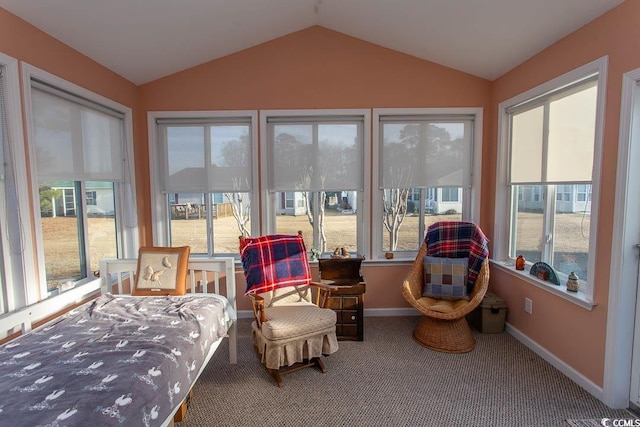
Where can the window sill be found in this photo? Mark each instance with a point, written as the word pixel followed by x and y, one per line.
pixel 578 298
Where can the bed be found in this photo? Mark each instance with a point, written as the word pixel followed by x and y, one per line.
pixel 120 359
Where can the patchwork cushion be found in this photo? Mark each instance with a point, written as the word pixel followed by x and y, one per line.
pixel 445 278
pixel 457 239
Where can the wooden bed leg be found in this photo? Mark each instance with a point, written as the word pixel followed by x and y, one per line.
pixel 182 411
pixel 233 343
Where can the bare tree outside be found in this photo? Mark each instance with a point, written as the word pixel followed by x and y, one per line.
pixel 322 198
pixel 395 210
pixel 236 154
pixel 241 212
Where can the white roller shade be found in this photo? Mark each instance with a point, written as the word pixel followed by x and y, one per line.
pixel 553 142
pixel 420 153
pixel 74 141
pixel 206 158
pixel 527 137
pixel 308 156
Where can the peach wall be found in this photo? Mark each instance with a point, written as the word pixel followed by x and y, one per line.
pixel 573 334
pixel 317 68
pixel 26 43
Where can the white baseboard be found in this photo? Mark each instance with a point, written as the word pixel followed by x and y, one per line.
pixel 563 367
pixel 386 312
pixel 245 314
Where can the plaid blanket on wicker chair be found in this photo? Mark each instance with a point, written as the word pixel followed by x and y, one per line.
pixel 457 239
pixel 274 261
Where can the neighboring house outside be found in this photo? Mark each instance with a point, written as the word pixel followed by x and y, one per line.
pixel 569 198
pixel 438 200
pixel 290 203
pixel 293 203
pixel 99 199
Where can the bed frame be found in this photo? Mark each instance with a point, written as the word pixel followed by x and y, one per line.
pixel 205 275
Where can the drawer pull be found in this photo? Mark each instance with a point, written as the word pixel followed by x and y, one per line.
pixel 353 317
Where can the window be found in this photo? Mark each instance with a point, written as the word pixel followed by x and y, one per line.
pixel 78 145
pixel 91 198
pixel 203 179
pixel 317 157
pixel 14 232
pixel 424 168
pixel 583 193
pixel 541 130
pixel 289 199
pixel 451 194
pixel 536 190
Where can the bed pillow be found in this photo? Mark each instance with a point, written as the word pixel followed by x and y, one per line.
pixel 445 278
pixel 161 271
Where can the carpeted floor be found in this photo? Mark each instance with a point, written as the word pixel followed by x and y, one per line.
pixel 587 423
pixel 390 380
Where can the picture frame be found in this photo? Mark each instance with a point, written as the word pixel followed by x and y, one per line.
pixel 161 271
pixel 544 271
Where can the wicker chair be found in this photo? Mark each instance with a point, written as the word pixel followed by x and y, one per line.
pixel 443 326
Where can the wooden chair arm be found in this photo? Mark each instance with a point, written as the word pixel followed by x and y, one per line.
pixel 257 303
pixel 323 293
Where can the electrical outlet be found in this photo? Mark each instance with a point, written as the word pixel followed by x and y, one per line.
pixel 528 305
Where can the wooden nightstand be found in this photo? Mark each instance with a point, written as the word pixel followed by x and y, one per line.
pixel 347 297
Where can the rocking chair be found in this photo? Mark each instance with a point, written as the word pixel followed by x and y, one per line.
pixel 289 331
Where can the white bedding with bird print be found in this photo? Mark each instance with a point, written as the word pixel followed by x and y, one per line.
pixel 118 360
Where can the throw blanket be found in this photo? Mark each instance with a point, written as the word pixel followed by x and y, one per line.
pixel 274 261
pixel 456 239
pixel 115 361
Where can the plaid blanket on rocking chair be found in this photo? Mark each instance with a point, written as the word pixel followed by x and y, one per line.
pixel 457 239
pixel 274 261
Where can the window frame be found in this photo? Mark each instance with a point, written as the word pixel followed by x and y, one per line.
pixel 124 192
pixel 268 199
pixel 16 266
pixel 502 223
pixel 159 212
pixel 470 202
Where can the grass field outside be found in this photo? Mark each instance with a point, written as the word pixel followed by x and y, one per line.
pixel 62 258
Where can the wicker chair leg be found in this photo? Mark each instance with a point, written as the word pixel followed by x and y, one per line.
pixel 448 336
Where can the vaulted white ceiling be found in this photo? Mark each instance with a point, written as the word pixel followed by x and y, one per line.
pixel 143 40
